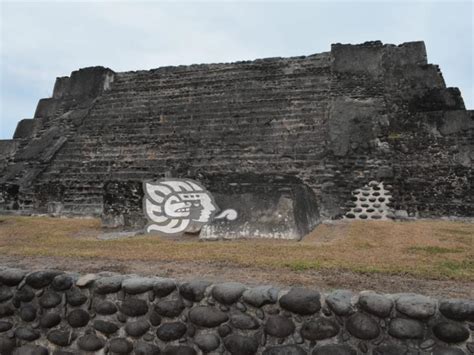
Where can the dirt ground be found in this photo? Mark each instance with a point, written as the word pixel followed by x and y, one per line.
pixel 430 257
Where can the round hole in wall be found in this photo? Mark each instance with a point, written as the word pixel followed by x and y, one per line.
pixel 376 205
pixel 372 199
pixel 350 215
pixel 357 209
pixel 376 193
pixel 376 216
pixel 376 188
pixel 382 199
pixel 362 199
pixel 363 216
pixel 365 205
pixel 370 210
pixel 366 193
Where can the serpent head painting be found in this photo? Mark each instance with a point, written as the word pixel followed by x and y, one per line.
pixel 173 206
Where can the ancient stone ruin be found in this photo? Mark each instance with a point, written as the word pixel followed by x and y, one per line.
pixel 285 141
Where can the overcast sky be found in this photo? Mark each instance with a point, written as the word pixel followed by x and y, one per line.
pixel 43 40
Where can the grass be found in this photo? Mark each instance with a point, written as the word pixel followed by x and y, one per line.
pixel 424 249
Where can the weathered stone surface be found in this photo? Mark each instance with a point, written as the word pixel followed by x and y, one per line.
pixel 143 348
pixel 458 309
pixel 63 282
pixel 406 328
pixel 11 277
pixel 170 308
pixel 105 307
pixel 238 344
pixel 155 318
pixel 179 350
pixel 108 284
pixel 285 350
pixel 207 316
pixel 40 279
pixel 5 293
pixel 25 294
pixel 137 329
pixel 134 307
pixel 90 342
pixel 50 299
pixel 171 331
pixel 243 321
pixel 442 350
pixel 340 302
pixel 31 350
pixel 301 301
pixel 163 287
pixel 6 310
pixel 75 297
pixel 120 346
pixel 279 326
pixel 319 329
pixel 416 306
pixel 136 285
pixel 105 327
pixel 207 342
pixel 362 326
pixel 376 304
pixel 261 295
pixel 450 332
pixel 393 350
pixel 7 345
pixel 334 350
pixel 5 325
pixel 28 312
pixel 50 319
pixel 26 333
pixel 78 318
pixel 194 290
pixel 60 337
pixel 228 292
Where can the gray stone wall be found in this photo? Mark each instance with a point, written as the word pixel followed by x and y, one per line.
pixel 51 312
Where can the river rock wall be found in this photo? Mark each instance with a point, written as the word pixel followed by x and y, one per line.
pixel 51 312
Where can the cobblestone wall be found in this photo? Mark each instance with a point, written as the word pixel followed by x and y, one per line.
pixel 50 312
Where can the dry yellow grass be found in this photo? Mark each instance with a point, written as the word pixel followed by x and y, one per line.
pixel 427 249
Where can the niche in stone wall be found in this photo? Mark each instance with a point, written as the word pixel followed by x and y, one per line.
pixel 371 202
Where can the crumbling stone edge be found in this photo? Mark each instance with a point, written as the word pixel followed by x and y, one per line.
pixel 53 312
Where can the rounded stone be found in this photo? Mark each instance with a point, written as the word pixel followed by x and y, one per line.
pixel 5 326
pixel 6 310
pixel 260 295
pixel 285 350
pixel 334 349
pixel 279 326
pixel 458 309
pixel 406 328
pixel 134 307
pixel 179 350
pixel 25 294
pixel 194 290
pixel 441 350
pixel 49 299
pixel 207 316
pixel 375 304
pixel 120 346
pixel 163 287
pixel 105 308
pixel 26 333
pixel 90 342
pixel 109 284
pixel 137 329
pixel 237 344
pixel 155 318
pixel 451 332
pixel 243 321
pixel 28 312
pixel 340 302
pixel 5 293
pixel 207 342
pixel 105 327
pixel 224 330
pixel 50 320
pixel 416 306
pixel 362 326
pixel 78 318
pixel 170 308
pixel 60 337
pixel 143 348
pixel 7 345
pixel 40 279
pixel 392 349
pixel 228 292
pixel 171 331
pixel 319 329
pixel 301 301
pixel 62 282
pixel 11 277
pixel 137 285
pixel 75 297
pixel 31 350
